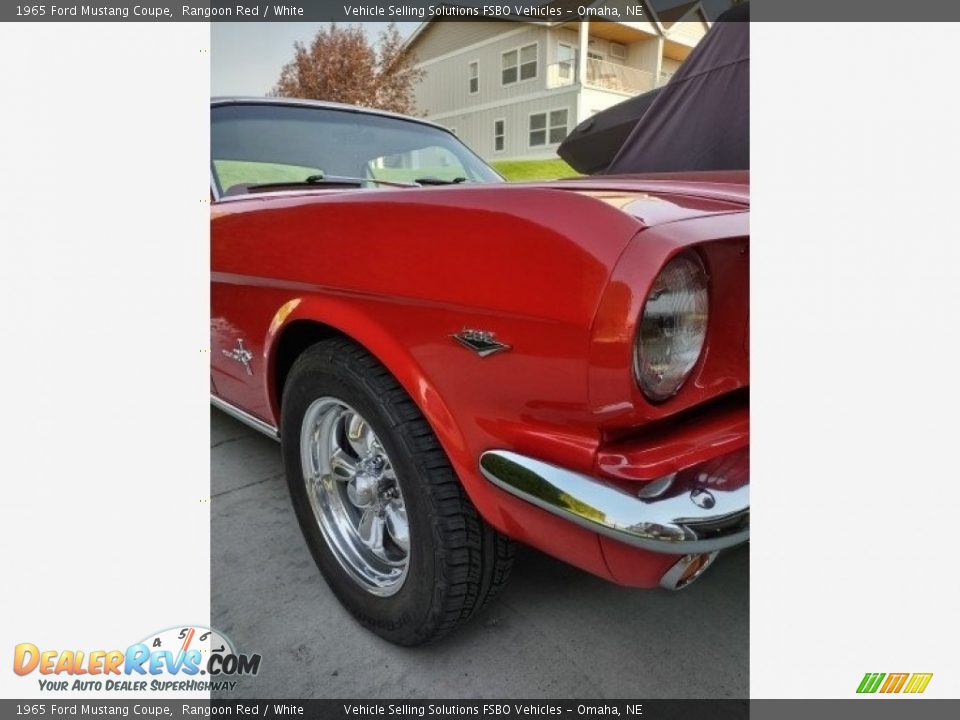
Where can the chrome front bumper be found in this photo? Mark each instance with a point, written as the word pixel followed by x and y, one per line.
pixel 684 513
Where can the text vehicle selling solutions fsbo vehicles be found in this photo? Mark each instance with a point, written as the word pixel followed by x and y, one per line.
pixel 453 363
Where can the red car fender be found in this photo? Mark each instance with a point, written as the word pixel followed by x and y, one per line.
pixel 721 243
pixel 348 320
pixel 508 514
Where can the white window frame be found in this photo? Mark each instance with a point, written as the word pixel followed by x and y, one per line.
pixel 471 78
pixel 547 127
pixel 503 136
pixel 611 45
pixel 517 49
pixel 572 62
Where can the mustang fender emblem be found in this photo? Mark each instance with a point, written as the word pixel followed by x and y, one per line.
pixel 241 355
pixel 483 343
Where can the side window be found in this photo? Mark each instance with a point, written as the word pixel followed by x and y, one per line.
pixel 474 75
pixel 519 64
pixel 528 62
pixel 548 128
pixel 538 129
pixel 508 67
pixel 498 135
pixel 558 126
pixel 428 162
pixel 566 57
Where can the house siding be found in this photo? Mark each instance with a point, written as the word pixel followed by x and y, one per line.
pixel 446 52
pixel 689 32
pixel 670 65
pixel 476 127
pixel 440 38
pixel 594 101
pixel 645 54
pixel 445 85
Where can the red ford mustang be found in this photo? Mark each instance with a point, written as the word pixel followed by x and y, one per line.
pixel 452 363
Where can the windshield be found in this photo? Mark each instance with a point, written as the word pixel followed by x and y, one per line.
pixel 262 144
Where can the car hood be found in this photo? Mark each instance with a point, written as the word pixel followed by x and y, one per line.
pixel 651 199
pixel 659 199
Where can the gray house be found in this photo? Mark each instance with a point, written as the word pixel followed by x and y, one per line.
pixel 514 89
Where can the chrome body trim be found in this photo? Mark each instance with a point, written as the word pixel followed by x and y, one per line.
pixel 241 355
pixel 214 190
pixel 245 417
pixel 322 104
pixel 667 523
pixel 482 342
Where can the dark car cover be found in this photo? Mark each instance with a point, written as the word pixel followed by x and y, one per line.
pixel 595 142
pixel 700 120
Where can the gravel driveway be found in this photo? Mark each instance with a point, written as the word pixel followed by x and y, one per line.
pixel 554 632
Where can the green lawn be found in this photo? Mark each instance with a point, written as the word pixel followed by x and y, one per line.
pixel 519 170
pixel 232 172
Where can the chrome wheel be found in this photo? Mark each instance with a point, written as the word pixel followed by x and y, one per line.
pixel 355 496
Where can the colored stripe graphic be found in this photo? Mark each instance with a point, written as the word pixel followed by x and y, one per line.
pixel 918 682
pixel 870 682
pixel 894 682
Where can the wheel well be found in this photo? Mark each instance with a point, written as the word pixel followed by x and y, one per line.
pixel 296 338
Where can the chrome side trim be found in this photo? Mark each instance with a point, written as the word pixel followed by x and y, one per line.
pixel 323 104
pixel 245 417
pixel 672 524
pixel 214 190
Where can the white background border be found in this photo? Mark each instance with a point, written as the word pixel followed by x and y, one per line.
pixel 855 317
pixel 104 258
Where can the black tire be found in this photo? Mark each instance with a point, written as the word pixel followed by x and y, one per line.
pixel 457 562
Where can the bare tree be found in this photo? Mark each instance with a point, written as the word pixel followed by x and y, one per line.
pixel 341 65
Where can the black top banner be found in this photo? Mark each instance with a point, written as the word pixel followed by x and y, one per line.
pixel 357 11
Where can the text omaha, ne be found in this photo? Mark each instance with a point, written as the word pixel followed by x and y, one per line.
pixel 493 10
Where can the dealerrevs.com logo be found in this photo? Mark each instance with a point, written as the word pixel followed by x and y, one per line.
pixel 911 683
pixel 181 659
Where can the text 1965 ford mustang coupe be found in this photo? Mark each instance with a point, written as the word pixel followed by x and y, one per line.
pixel 452 363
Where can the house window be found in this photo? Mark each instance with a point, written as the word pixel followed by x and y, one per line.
pixel 519 64
pixel 498 135
pixel 474 74
pixel 528 62
pixel 565 59
pixel 548 128
pixel 618 51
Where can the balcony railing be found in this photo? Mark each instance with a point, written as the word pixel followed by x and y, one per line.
pixel 601 74
pixel 611 76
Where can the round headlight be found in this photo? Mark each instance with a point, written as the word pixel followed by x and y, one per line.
pixel 672 328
